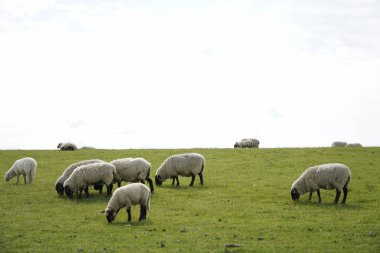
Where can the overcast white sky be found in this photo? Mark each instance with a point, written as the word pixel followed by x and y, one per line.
pixel 181 74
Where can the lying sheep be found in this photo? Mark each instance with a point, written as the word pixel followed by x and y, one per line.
pixel 326 176
pixel 126 196
pixel 186 165
pixel 85 175
pixel 67 146
pixel 26 166
pixel 66 174
pixel 354 145
pixel 132 170
pixel 247 143
pixel 339 144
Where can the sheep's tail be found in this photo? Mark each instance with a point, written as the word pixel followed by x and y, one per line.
pixel 148 204
pixel 348 181
pixel 32 174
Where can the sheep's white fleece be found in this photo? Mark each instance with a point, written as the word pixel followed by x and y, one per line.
pixel 248 143
pixel 90 174
pixel 128 195
pixel 131 169
pixel 66 174
pixel 25 166
pixel 325 176
pixel 183 164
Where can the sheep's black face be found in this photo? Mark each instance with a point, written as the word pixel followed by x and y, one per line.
pixel 158 180
pixel 59 188
pixel 69 192
pixel 110 215
pixel 295 195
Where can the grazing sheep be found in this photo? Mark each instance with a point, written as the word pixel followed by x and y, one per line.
pixel 85 175
pixel 326 176
pixel 25 166
pixel 247 143
pixel 66 174
pixel 339 144
pixel 132 170
pixel 126 196
pixel 186 165
pixel 354 145
pixel 67 146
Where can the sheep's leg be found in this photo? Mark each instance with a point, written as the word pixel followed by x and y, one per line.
pixel 80 193
pixel 24 175
pixel 118 184
pixel 101 189
pixel 311 194
pixel 192 179
pixel 142 212
pixel 86 192
pixel 109 189
pixel 177 181
pixel 319 196
pixel 129 214
pixel 200 174
pixel 150 183
pixel 345 191
pixel 337 196
pixel 18 179
pixel 173 180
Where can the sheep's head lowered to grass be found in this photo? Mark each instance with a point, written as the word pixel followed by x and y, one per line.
pixel 158 180
pixel 110 214
pixel 295 195
pixel 69 192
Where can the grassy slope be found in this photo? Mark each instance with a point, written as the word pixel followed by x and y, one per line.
pixel 245 201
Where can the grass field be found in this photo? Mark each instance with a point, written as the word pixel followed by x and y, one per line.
pixel 245 201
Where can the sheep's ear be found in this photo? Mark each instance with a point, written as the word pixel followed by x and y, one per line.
pixel 103 211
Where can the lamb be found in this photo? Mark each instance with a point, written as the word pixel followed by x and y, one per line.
pixel 187 165
pixel 326 176
pixel 126 196
pixel 132 170
pixel 85 175
pixel 67 146
pixel 66 174
pixel 247 143
pixel 339 144
pixel 26 166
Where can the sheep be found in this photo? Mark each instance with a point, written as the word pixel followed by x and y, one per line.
pixel 67 146
pixel 85 175
pixel 247 143
pixel 66 174
pixel 132 170
pixel 339 144
pixel 354 145
pixel 126 196
pixel 187 165
pixel 326 176
pixel 26 166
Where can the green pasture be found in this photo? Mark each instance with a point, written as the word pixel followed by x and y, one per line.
pixel 245 202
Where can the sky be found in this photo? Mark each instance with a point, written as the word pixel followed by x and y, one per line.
pixel 184 74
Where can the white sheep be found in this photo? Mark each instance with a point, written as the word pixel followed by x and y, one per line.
pixel 339 144
pixel 66 174
pixel 132 170
pixel 247 143
pixel 25 166
pixel 126 196
pixel 67 146
pixel 326 176
pixel 186 165
pixel 85 175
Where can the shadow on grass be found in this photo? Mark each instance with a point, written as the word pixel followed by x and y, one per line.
pixel 134 223
pixel 347 206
